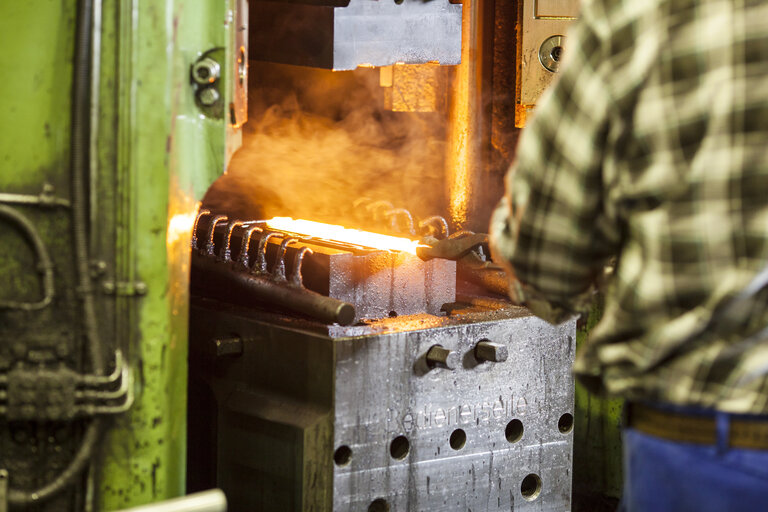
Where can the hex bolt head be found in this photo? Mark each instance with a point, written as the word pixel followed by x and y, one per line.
pixel 439 357
pixel 208 96
pixel 491 352
pixel 206 71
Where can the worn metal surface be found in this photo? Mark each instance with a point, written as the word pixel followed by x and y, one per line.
pixel 349 34
pixel 348 418
pixel 376 283
pixel 542 20
pixel 384 284
pixel 380 395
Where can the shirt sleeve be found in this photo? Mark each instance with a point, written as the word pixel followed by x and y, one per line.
pixel 545 231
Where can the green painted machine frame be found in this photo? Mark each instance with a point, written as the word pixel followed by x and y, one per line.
pixel 597 460
pixel 148 170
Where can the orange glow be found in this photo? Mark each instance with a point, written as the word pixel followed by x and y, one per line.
pixel 465 117
pixel 342 234
pixel 180 227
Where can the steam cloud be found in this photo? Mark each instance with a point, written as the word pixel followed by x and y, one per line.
pixel 318 140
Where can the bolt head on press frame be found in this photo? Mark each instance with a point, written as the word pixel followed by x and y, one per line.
pixel 206 71
pixel 439 357
pixel 491 352
pixel 209 96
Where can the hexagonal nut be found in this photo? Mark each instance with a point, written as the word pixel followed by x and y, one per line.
pixel 206 71
pixel 491 352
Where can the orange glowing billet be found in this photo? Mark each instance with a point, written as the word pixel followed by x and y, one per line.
pixel 341 234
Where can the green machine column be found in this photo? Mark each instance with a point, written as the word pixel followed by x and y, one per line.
pixel 166 151
pixel 597 449
pixel 154 150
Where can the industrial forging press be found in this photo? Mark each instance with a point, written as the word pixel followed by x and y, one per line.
pixel 366 358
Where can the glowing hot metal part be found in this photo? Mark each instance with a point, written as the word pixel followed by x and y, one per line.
pixel 342 234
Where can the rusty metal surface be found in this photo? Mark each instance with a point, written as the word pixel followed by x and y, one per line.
pixel 348 418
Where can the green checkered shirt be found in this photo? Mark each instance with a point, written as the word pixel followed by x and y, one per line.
pixel 650 155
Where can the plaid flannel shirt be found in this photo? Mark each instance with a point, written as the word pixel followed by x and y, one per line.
pixel 650 152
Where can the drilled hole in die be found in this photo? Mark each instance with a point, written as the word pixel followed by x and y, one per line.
pixel 514 431
pixel 399 447
pixel 342 456
pixel 458 439
pixel 530 488
pixel 565 423
pixel 378 505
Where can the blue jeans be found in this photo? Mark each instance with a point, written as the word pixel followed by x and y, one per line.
pixel 669 476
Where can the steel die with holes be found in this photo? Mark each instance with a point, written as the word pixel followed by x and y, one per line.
pixel 312 417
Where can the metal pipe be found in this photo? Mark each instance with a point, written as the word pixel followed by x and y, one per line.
pixel 464 160
pixel 44 263
pixel 96 380
pixel 206 501
pixel 79 170
pixel 17 498
pixel 39 200
pixel 222 282
pixel 107 395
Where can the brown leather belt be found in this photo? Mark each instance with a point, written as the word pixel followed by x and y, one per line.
pixel 690 428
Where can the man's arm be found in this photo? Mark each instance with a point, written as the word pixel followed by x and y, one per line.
pixel 549 230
